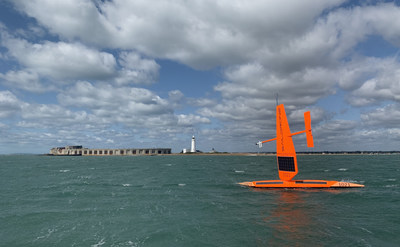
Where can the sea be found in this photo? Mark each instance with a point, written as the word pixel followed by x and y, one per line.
pixel 195 200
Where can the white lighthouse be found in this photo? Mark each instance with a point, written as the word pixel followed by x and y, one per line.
pixel 193 147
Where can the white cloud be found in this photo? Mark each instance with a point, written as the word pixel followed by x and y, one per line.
pixel 115 116
pixel 378 79
pixel 191 120
pixel 387 117
pixel 175 96
pixel 61 60
pixel 201 34
pixel 249 93
pixel 309 66
pixel 202 102
pixel 302 50
pixel 70 19
pixel 133 107
pixel 103 97
pixel 205 34
pixel 337 134
pixel 370 80
pixel 9 104
pixel 347 27
pixel 24 79
pixel 48 114
pixel 136 69
pixel 72 61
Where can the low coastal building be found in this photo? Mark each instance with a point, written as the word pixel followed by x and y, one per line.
pixel 81 151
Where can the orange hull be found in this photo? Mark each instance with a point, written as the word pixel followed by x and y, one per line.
pixel 300 184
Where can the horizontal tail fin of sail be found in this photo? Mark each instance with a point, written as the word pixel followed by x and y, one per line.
pixel 307 123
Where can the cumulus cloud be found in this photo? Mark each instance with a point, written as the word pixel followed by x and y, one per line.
pixel 135 107
pixel 48 115
pixel 116 116
pixel 204 34
pixel 279 37
pixel 201 34
pixel 135 101
pixel 191 120
pixel 42 117
pixel 336 134
pixel 72 61
pixel 309 66
pixel 373 80
pixel 9 104
pixel 136 69
pixel 24 79
pixel 249 91
pixel 387 117
pixel 70 19
pixel 302 50
pixel 61 60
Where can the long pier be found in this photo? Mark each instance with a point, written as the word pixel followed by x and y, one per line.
pixel 81 151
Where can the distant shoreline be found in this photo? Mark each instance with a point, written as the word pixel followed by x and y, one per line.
pixel 298 153
pixel 250 153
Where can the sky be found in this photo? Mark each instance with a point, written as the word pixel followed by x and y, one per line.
pixel 137 74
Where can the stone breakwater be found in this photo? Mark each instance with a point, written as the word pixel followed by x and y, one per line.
pixel 81 151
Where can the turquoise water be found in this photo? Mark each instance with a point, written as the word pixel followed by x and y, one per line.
pixel 195 201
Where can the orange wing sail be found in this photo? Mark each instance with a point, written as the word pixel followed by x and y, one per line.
pixel 285 152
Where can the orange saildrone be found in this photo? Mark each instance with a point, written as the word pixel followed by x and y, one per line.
pixel 287 160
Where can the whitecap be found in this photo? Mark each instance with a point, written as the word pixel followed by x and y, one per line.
pixel 366 230
pixel 181 184
pixel 49 232
pixel 126 185
pixel 239 171
pixel 391 179
pixel 65 170
pixel 348 180
pixel 100 243
pixel 342 169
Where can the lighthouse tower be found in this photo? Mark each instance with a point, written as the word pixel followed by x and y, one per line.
pixel 193 147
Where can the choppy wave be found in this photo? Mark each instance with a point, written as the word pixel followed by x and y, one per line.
pixel 100 243
pixel 142 201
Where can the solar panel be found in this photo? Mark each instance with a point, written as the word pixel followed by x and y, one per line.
pixel 310 182
pixel 274 182
pixel 286 164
